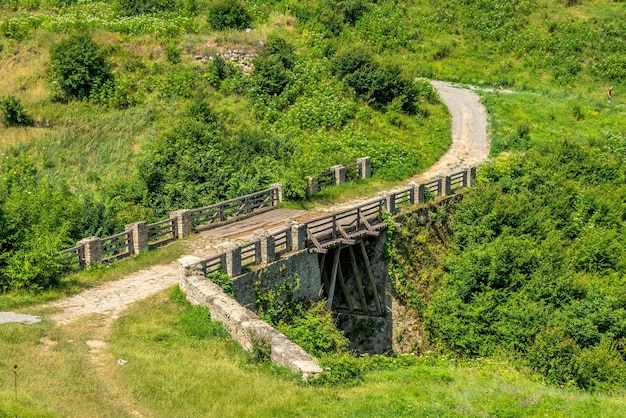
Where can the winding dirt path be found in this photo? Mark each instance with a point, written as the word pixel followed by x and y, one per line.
pixel 470 141
pixel 470 145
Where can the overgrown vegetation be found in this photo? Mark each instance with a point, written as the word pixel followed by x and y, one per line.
pixel 138 121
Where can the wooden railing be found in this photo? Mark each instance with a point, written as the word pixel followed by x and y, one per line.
pixel 282 242
pixel 319 234
pixel 162 232
pixel 117 246
pixel 140 236
pixel 202 218
pixel 73 258
pixel 367 219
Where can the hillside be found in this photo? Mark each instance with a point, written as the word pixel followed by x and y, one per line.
pixel 186 103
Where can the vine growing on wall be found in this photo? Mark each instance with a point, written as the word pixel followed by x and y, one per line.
pixel 404 288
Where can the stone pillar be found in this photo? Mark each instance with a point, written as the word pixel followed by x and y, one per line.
pixel 93 250
pixel 390 201
pixel 470 176
pixel 279 192
pixel 447 186
pixel 189 265
pixel 313 186
pixel 421 193
pixel 413 196
pixel 439 186
pixel 140 236
pixel 366 167
pixel 340 173
pixel 183 222
pixel 233 262
pixel 268 249
pixel 298 236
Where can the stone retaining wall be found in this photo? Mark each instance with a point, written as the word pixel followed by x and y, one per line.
pixel 243 325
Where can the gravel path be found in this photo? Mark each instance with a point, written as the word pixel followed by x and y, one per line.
pixel 470 145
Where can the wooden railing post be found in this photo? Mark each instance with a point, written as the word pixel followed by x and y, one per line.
pixel 268 246
pixel 413 193
pixel 421 193
pixel 390 201
pixel 139 236
pixel 93 250
pixel 183 222
pixel 313 186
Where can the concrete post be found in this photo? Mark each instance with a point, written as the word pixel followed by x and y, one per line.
pixel 183 222
pixel 470 176
pixel 298 236
pixel 279 194
pixel 93 250
pixel 140 236
pixel 233 262
pixel 413 196
pixel 439 185
pixel 190 265
pixel 339 173
pixel 366 167
pixel 421 193
pixel 447 189
pixel 390 201
pixel 313 186
pixel 268 249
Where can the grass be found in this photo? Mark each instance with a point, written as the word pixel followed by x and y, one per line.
pixel 180 365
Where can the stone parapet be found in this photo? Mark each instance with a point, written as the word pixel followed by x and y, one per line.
pixel 245 326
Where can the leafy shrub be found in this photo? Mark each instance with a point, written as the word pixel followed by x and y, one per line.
pixel 172 53
pixel 228 14
pixel 554 356
pixel 184 167
pixel 272 68
pixel 315 330
pixel 377 84
pixel 80 66
pixel 12 113
pixel 224 281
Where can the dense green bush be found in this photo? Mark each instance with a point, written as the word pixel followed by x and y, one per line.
pixel 12 113
pixel 535 270
pixel 38 218
pixel 80 66
pixel 272 68
pixel 229 14
pixel 377 84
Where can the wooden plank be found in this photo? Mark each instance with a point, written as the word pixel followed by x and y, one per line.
pixel 344 289
pixel 333 280
pixel 359 283
pixel 370 273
